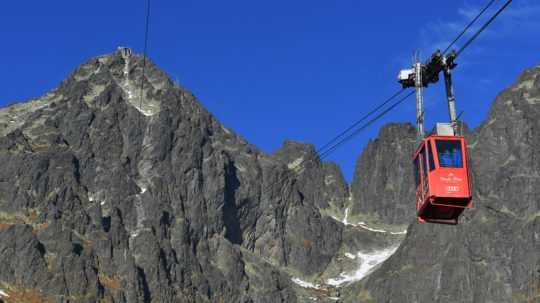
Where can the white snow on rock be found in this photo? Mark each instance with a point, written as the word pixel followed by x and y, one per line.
pixel 350 256
pixel 305 284
pixel 361 224
pixel 368 261
pixel 145 111
pixel 135 233
pixel 226 130
pixel 346 219
pixel 527 85
pixel 364 226
pixel 240 168
pixel 295 165
pixel 95 197
pixel 329 180
pixel 3 294
pixel 134 93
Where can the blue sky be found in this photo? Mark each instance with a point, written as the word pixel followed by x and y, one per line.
pixel 276 70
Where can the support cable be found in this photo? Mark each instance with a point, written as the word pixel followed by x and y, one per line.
pixel 478 32
pixel 447 48
pixel 366 125
pixel 313 155
pixel 355 124
pixel 331 146
pixel 468 26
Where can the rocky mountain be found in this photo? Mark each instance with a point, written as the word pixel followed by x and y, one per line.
pixel 493 255
pixel 382 182
pixel 104 198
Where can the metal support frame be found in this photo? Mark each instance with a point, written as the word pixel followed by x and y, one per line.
pixel 450 98
pixel 419 99
pixel 416 78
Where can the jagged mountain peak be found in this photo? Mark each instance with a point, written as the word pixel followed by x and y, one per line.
pixel 392 131
pixel 296 155
pixel 109 86
pixel 141 82
pixel 102 199
pixel 381 187
pixel 110 200
pixel 492 255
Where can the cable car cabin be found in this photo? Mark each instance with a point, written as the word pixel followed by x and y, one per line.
pixel 442 179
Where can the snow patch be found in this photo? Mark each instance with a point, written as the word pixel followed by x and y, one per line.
pixel 225 130
pixel 295 165
pixel 368 262
pixel 350 256
pixel 363 225
pixel 129 92
pixel 3 294
pixel 134 234
pixel 147 107
pixel 95 198
pixel 345 221
pixel 95 91
pixel 529 84
pixel 137 232
pixel 240 167
pixel 531 100
pixel 305 284
pixel 329 180
pixel 146 112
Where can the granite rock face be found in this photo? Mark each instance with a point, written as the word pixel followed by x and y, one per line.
pixel 493 255
pixel 107 198
pixel 381 187
pixel 104 198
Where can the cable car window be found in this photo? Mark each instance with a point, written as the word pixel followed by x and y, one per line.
pixel 424 170
pixel 416 171
pixel 450 154
pixel 430 155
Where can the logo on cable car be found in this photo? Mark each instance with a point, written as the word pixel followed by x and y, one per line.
pixel 452 188
pixel 451 178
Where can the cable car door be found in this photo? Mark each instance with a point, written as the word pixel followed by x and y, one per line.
pixel 422 184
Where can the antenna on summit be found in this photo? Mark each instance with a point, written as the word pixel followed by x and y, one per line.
pixel 124 51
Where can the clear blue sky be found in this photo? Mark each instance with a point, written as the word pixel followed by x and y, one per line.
pixel 275 70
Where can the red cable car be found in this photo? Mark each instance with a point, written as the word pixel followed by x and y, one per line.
pixel 442 179
pixel 441 165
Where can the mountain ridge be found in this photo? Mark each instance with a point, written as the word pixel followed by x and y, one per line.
pixel 492 255
pixel 105 199
pixel 111 200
